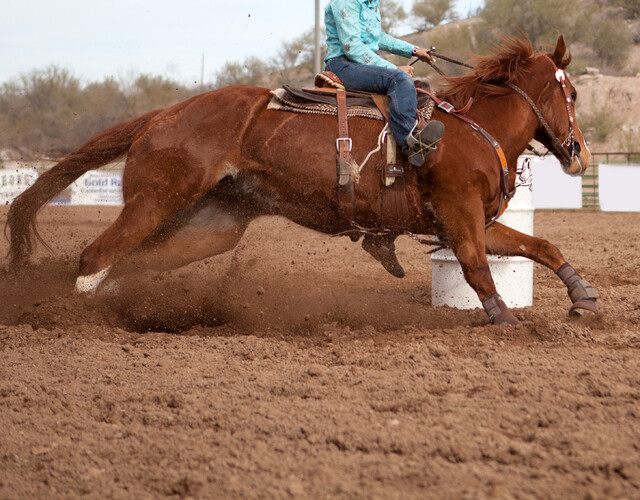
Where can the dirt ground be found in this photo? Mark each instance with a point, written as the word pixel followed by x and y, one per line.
pixel 295 367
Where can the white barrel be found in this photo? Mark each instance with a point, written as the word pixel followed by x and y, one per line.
pixel 513 276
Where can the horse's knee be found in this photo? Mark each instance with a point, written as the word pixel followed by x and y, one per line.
pixel 480 279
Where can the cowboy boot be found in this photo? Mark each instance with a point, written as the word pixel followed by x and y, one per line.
pixel 423 141
pixel 383 250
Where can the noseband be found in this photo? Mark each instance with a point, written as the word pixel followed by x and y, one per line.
pixel 559 147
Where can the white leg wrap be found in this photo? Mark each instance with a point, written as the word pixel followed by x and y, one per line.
pixel 87 285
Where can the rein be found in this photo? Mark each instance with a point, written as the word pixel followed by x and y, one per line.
pixel 561 77
pixel 559 147
pixel 505 193
pixel 432 51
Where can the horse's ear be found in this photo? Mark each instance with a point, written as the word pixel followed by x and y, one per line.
pixel 558 56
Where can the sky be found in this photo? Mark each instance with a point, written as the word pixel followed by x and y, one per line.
pixel 98 39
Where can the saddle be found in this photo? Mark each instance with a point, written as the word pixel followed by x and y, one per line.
pixel 326 94
pixel 399 199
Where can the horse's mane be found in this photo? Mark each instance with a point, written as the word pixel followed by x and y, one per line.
pixel 510 60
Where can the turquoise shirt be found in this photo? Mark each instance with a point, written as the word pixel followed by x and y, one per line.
pixel 354 29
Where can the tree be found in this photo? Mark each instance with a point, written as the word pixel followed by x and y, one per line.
pixel 429 13
pixel 249 72
pixel 39 108
pixel 612 41
pixel 49 110
pixel 631 8
pixel 392 14
pixel 298 51
pixel 294 58
pixel 540 20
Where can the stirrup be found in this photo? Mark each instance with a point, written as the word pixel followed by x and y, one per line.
pixel 419 146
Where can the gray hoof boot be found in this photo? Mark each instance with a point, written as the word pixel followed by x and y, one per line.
pixel 498 311
pixel 583 294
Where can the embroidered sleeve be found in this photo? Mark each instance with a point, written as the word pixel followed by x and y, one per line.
pixel 395 46
pixel 347 19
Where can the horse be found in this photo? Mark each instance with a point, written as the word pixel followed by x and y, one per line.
pixel 197 173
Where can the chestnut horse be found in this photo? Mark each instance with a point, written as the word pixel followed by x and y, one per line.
pixel 198 172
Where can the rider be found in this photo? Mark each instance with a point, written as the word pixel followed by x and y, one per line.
pixel 354 34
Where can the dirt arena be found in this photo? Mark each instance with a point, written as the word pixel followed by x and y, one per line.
pixel 295 367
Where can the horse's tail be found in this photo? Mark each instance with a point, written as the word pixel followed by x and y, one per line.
pixel 102 148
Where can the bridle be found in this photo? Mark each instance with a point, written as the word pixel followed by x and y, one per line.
pixel 569 142
pixel 505 194
pixel 560 147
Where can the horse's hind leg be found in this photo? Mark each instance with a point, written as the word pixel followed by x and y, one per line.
pixel 138 218
pixel 503 240
pixel 149 201
pixel 190 236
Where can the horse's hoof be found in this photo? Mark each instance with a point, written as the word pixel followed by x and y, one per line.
pixel 88 285
pixel 393 267
pixel 584 308
pixel 506 319
pixel 498 312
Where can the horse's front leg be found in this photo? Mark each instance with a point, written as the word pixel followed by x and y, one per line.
pixel 466 233
pixel 503 240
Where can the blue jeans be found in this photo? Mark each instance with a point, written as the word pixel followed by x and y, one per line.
pixel 394 82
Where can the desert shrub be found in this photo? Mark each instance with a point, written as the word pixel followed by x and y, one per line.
pixel 631 8
pixel 599 124
pixel 629 142
pixel 612 40
pixel 541 20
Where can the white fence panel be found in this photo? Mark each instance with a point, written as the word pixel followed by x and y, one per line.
pixel 618 188
pixel 552 188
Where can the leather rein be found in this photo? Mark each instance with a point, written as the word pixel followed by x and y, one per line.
pixel 505 193
pixel 559 147
pixel 561 77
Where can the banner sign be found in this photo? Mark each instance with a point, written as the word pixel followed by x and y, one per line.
pixel 98 188
pixel 14 181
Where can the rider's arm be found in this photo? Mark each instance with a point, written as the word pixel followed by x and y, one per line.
pixel 395 46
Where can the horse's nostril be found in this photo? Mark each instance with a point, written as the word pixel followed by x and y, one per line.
pixel 576 148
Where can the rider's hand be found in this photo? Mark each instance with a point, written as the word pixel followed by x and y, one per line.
pixel 407 69
pixel 424 55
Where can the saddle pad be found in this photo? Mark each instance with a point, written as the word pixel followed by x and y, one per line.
pixel 282 100
pixel 296 101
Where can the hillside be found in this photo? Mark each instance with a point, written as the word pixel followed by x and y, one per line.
pixel 608 106
pixel 609 103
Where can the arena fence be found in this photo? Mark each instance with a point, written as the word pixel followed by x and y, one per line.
pixel 104 187
pixel 590 184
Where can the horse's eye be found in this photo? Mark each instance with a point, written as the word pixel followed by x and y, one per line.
pixel 574 96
